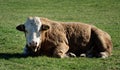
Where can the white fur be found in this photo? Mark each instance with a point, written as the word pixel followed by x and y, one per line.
pixel 32 27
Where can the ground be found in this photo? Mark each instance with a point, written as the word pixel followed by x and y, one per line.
pixel 104 14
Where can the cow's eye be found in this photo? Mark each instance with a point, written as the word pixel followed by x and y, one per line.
pixel 26 31
pixel 40 30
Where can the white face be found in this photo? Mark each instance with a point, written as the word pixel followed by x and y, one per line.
pixel 32 32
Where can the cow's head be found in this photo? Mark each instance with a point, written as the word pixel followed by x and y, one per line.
pixel 33 28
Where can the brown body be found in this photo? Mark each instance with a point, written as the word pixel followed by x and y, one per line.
pixel 78 38
pixel 73 37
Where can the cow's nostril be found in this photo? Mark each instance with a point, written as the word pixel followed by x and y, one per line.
pixel 36 43
pixel 33 43
pixel 30 43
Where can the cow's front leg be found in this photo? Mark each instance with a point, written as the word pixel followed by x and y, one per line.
pixel 27 51
pixel 61 50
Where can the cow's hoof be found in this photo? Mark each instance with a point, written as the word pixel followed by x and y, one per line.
pixel 82 55
pixel 103 55
pixel 71 54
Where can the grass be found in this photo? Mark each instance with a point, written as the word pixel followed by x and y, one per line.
pixel 105 14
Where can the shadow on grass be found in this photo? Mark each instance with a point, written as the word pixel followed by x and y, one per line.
pixel 11 55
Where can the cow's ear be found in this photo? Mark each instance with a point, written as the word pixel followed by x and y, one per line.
pixel 45 27
pixel 21 27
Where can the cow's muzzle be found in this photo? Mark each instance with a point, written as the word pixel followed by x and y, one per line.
pixel 34 44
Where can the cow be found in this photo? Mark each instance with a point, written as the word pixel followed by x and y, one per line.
pixel 64 39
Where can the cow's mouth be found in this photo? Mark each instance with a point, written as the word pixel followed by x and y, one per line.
pixel 34 48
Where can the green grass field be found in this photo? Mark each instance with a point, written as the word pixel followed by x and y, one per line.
pixel 105 14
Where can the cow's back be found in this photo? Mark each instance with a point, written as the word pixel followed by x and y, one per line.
pixel 78 35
